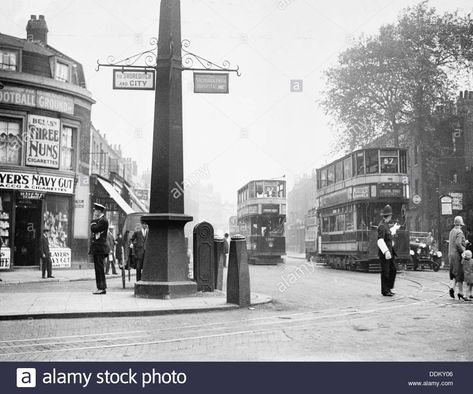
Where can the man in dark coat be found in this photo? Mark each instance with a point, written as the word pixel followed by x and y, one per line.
pixel 46 263
pixel 386 253
pixel 99 246
pixel 138 245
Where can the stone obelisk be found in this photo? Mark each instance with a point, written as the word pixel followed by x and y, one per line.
pixel 165 265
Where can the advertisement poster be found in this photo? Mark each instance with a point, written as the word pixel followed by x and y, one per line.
pixel 61 257
pixel 42 147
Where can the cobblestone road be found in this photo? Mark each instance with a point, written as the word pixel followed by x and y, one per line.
pixel 318 314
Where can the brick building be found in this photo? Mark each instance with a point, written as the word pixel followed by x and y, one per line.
pixel 45 112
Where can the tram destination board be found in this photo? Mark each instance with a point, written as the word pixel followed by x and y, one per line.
pixel 211 83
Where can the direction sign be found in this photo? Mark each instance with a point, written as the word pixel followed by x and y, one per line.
pixel 211 83
pixel 133 79
pixel 416 199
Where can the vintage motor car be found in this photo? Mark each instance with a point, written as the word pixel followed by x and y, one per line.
pixel 424 252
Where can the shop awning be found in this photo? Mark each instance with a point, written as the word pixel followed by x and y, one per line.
pixel 116 196
pixel 136 200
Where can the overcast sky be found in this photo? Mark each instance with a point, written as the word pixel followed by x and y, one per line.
pixel 260 129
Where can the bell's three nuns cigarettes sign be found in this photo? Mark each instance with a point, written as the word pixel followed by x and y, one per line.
pixel 133 79
pixel 42 148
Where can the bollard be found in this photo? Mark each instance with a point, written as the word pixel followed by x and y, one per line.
pixel 204 266
pixel 219 259
pixel 238 277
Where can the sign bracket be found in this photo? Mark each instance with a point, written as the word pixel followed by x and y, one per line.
pixel 148 60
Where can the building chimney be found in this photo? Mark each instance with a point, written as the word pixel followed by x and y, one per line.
pixel 37 29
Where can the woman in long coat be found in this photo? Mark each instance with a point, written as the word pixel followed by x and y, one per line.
pixel 456 246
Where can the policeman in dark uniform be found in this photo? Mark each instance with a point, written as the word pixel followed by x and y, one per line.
pixel 386 253
pixel 99 246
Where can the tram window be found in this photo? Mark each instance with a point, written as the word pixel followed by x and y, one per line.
pixel 331 224
pixel 325 227
pixel 360 163
pixel 330 175
pixel 361 218
pixel 259 190
pixel 281 190
pixel 339 171
pixel 349 221
pixel 372 162
pixel 389 161
pixel 347 168
pixel 323 178
pixel 340 223
pixel 252 190
pixel 402 161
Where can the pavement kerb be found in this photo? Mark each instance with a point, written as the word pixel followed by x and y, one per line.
pixel 257 299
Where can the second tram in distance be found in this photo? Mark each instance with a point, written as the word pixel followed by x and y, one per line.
pixel 261 217
pixel 351 193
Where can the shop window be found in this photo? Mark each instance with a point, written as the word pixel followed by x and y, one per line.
pixel 67 148
pixel 10 142
pixel 62 72
pixel 5 219
pixel 8 60
pixel 57 220
pixel 372 162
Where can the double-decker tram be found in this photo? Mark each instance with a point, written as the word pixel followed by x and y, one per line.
pixel 352 192
pixel 261 217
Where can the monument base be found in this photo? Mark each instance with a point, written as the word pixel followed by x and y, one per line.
pixel 164 290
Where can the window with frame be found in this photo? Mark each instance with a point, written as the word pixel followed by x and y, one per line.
pixel 402 162
pixel 359 158
pixel 8 60
pixel 389 161
pixel 372 162
pixel 10 141
pixel 67 148
pixel 62 72
pixel 56 219
pixel 347 168
pixel 339 171
pixel 330 175
pixel 323 177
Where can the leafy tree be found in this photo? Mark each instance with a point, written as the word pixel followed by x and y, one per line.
pixel 397 77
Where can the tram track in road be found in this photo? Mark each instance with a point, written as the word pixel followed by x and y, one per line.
pixel 208 331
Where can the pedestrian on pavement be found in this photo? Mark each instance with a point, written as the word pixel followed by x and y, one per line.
pixel 99 247
pixel 467 264
pixel 138 246
pixel 226 249
pixel 456 247
pixel 119 250
pixel 111 256
pixel 45 253
pixel 386 253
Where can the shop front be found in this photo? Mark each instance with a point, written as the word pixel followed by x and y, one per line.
pixel 29 203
